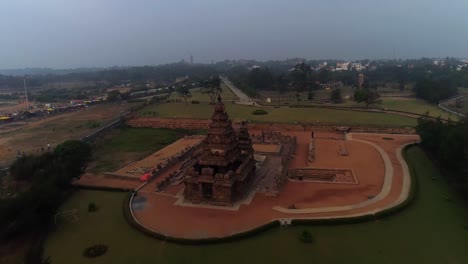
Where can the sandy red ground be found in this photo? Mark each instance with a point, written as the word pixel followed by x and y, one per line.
pixel 161 215
pixel 99 180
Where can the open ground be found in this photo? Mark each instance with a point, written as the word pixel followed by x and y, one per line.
pixel 31 136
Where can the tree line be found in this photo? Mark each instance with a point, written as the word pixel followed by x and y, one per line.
pixel 47 179
pixel 448 144
pixel 432 83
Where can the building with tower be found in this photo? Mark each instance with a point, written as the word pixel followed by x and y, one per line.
pixel 225 170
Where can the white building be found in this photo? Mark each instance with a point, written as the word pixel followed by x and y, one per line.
pixel 357 66
pixel 323 65
pixel 342 66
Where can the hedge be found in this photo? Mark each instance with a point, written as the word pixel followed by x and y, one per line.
pixel 259 112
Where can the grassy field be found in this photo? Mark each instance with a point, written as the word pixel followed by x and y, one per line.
pixel 415 105
pixel 292 115
pixel 284 114
pixel 434 229
pixel 125 145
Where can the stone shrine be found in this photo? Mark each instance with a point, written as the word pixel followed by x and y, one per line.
pixel 225 170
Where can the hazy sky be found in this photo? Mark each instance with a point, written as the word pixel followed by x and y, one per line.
pixel 75 33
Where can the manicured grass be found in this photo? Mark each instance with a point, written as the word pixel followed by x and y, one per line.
pixel 140 139
pixel 433 229
pixel 125 145
pixel 283 114
pixel 417 106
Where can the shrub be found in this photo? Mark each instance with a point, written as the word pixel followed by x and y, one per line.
pixel 195 102
pixel 306 237
pixel 95 251
pixel 259 112
pixel 92 207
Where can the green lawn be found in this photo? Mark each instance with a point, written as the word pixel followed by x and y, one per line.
pixel 417 106
pixel 125 145
pixel 283 114
pixel 431 230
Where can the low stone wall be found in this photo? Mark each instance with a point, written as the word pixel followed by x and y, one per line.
pixel 156 122
pixel 190 124
pixel 287 152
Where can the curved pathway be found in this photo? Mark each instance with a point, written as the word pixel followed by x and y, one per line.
pixel 387 185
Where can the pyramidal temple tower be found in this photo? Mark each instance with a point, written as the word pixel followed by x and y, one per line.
pixel 225 170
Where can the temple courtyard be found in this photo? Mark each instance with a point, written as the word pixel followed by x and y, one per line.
pixel 377 179
pixel 380 180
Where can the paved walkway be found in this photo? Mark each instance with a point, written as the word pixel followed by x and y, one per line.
pixel 405 191
pixel 243 98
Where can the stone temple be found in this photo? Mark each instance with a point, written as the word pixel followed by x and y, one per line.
pixel 225 170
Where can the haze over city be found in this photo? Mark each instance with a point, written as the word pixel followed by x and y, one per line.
pixel 87 33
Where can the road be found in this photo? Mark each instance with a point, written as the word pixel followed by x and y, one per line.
pixel 243 98
pixel 444 103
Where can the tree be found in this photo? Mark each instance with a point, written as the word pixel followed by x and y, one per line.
pixel 74 154
pixel 184 92
pixel 298 97
pixel 336 96
pixel 310 95
pixel 323 76
pixel 300 75
pixel 113 96
pixel 49 175
pixel 260 78
pixel 212 87
pixel 306 237
pixel 448 143
pixel 367 96
pixel 435 90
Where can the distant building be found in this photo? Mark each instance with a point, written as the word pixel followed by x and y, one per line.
pixel 357 66
pixel 322 65
pixel 342 66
